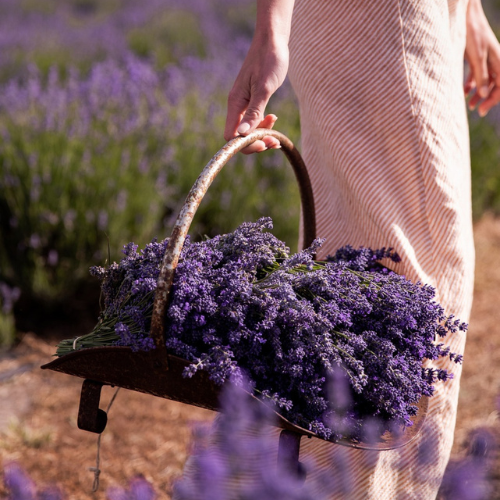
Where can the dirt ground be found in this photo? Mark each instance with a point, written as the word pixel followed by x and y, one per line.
pixel 150 436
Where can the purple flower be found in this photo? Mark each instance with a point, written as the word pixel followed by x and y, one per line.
pixel 21 487
pixel 17 482
pixel 468 478
pixel 52 258
pixel 8 296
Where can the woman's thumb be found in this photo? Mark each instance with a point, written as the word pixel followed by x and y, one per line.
pixel 254 113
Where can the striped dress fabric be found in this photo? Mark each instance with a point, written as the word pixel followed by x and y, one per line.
pixel 385 139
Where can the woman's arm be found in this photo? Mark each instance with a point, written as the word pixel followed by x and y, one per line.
pixel 263 71
pixel 482 52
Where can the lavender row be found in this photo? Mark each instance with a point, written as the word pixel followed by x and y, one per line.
pixel 112 154
pixel 108 112
pixel 83 31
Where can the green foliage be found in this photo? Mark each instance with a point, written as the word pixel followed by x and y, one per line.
pixel 485 164
pixel 7 329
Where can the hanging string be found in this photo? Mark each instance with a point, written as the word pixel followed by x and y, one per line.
pixel 96 470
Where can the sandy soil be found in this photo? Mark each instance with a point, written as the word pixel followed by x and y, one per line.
pixel 150 436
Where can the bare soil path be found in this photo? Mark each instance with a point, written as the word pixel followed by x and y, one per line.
pixel 150 436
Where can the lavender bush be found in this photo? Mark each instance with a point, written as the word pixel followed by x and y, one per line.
pixel 242 306
pixel 82 32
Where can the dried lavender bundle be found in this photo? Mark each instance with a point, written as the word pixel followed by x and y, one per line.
pixel 242 307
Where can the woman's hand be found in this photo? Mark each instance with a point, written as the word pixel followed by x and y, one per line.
pixel 263 71
pixel 482 52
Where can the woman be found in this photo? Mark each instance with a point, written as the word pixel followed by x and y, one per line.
pixel 385 138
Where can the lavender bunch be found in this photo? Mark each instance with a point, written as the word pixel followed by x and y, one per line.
pixel 242 306
pixel 287 322
pixel 127 295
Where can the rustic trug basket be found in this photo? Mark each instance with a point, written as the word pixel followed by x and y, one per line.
pixel 159 373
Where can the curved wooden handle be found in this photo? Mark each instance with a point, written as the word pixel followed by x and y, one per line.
pixel 193 200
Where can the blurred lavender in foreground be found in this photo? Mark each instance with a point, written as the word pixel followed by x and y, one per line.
pixel 139 489
pixel 469 478
pixel 21 487
pixel 236 457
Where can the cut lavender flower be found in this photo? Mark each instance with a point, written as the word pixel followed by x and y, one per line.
pixel 242 307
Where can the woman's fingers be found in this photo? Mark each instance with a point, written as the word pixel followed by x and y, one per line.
pixel 245 109
pixel 485 101
pixel 474 100
pixel 470 83
pixel 263 71
pixel 482 52
pixel 492 100
pixel 493 97
pixel 240 120
pixel 254 114
pixel 267 142
pixel 479 76
pixel 256 147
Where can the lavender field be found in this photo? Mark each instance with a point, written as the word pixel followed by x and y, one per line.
pixel 109 109
pixel 108 112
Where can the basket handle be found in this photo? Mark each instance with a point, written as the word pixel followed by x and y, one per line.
pixel 193 200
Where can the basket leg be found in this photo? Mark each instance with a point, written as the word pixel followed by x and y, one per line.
pixel 288 454
pixel 90 417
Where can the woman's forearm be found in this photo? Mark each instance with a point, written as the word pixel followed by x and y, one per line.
pixel 274 18
pixel 474 4
pixel 263 71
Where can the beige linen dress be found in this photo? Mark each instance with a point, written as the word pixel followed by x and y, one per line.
pixel 385 139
